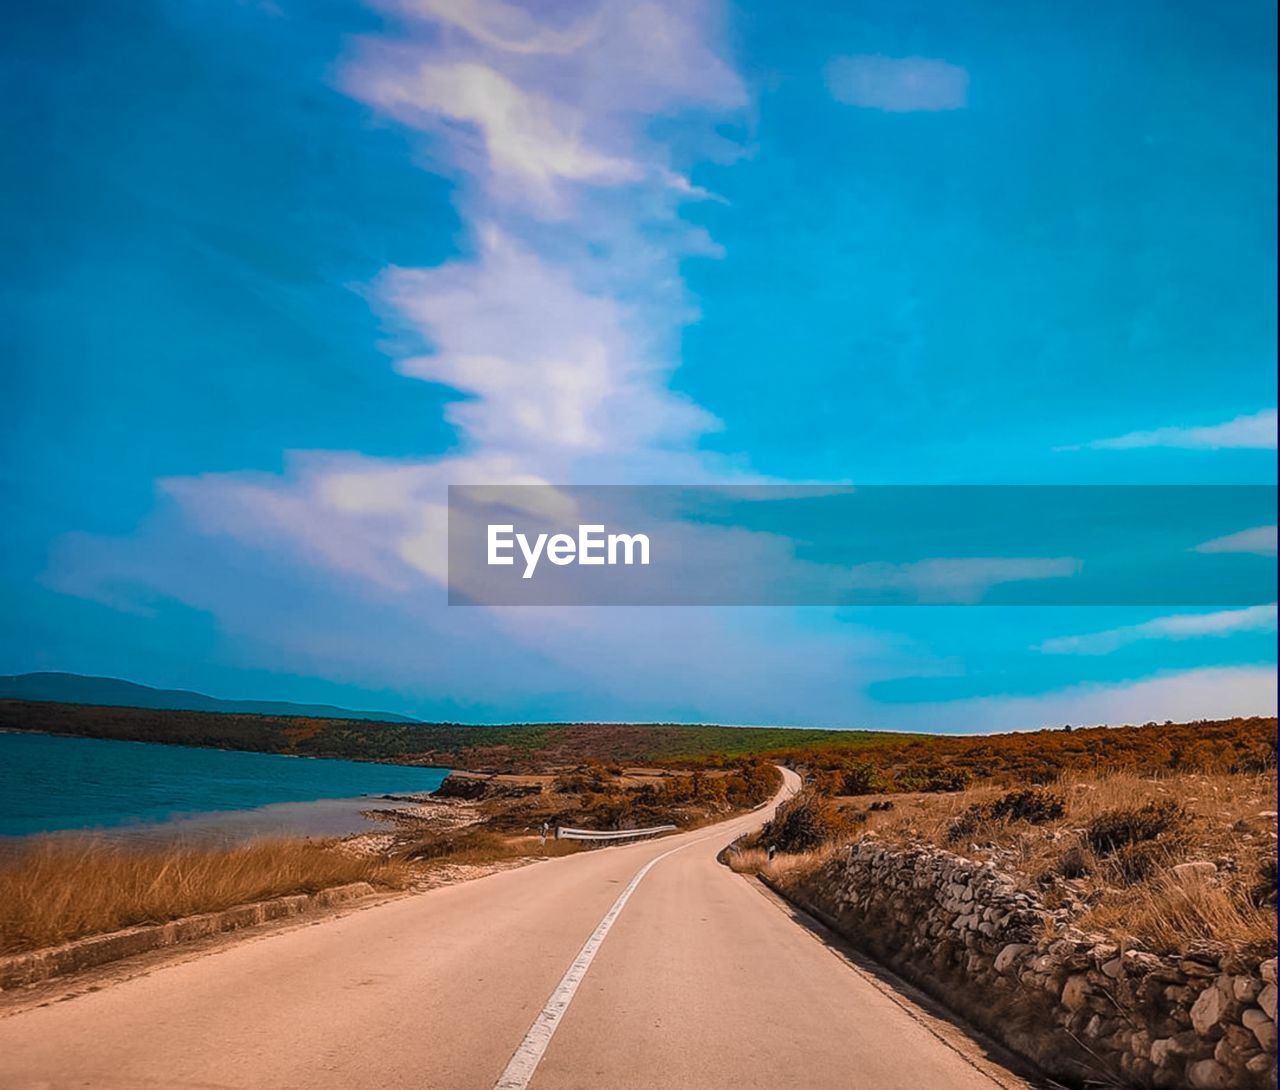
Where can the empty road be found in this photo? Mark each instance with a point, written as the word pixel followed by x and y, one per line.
pixel 565 974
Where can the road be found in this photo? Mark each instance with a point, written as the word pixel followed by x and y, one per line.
pixel 699 980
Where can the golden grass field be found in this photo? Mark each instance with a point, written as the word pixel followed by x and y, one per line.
pixel 60 888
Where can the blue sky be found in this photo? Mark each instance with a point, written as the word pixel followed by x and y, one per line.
pixel 279 273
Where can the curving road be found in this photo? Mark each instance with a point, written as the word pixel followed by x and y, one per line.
pixel 566 974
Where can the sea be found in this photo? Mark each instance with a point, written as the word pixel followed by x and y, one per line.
pixel 141 790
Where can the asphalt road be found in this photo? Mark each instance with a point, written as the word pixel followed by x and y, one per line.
pixel 537 977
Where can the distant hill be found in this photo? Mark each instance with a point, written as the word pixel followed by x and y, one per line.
pixel 113 693
pixel 511 747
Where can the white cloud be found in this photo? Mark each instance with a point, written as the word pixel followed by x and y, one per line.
pixel 1180 626
pixel 506 27
pixel 1212 693
pixel 534 139
pixel 533 108
pixel 1256 431
pixel 1260 541
pixel 898 84
pixel 553 372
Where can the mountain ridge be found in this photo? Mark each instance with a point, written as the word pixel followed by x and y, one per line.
pixel 67 688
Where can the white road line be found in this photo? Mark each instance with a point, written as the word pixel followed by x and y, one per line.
pixel 527 1057
pixel 524 1062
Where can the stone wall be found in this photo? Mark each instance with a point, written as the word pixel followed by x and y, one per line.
pixel 1076 1005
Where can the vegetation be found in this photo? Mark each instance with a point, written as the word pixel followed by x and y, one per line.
pixel 56 889
pixel 596 796
pixel 479 847
pixel 947 764
pixel 1162 835
pixel 1096 820
pixel 805 822
pixel 1028 804
pixel 514 748
pixel 1170 862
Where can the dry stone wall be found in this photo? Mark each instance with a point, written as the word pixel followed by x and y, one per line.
pixel 1080 1007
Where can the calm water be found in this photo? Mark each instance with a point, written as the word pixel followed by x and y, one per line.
pixel 48 783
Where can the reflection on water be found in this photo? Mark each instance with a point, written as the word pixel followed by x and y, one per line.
pixel 319 819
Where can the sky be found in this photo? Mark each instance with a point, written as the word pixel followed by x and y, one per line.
pixel 277 274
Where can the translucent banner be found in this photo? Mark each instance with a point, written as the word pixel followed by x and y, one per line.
pixel 526 545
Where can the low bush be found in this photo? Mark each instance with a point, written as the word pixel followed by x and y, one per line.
pixel 1034 806
pixel 1030 805
pixel 805 822
pixel 934 778
pixel 1114 830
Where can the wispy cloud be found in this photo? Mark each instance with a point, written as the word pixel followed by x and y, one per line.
pixel 898 84
pixel 532 108
pixel 1210 693
pixel 1259 541
pixel 1178 626
pixel 1256 431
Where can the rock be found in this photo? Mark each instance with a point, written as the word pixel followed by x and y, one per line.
pixel 1163 1051
pixel 1246 988
pixel 1236 1046
pixel 1262 1028
pixel 1075 992
pixel 1261 1064
pixel 1010 956
pixel 1267 970
pixel 1197 871
pixel 1267 1001
pixel 1207 1011
pixel 1137 962
pixel 1209 1075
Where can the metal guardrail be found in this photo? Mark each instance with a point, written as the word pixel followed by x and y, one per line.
pixel 563 833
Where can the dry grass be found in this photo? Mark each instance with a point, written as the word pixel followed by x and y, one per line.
pixel 746 860
pixel 750 858
pixel 480 846
pixel 1111 855
pixel 57 889
pixel 1173 914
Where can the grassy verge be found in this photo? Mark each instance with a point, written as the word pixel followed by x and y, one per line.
pixel 477 847
pixel 58 889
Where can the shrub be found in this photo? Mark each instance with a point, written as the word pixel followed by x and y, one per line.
pixel 966 824
pixel 861 778
pixel 933 778
pixel 1113 830
pixel 1134 863
pixel 1030 805
pixel 805 822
